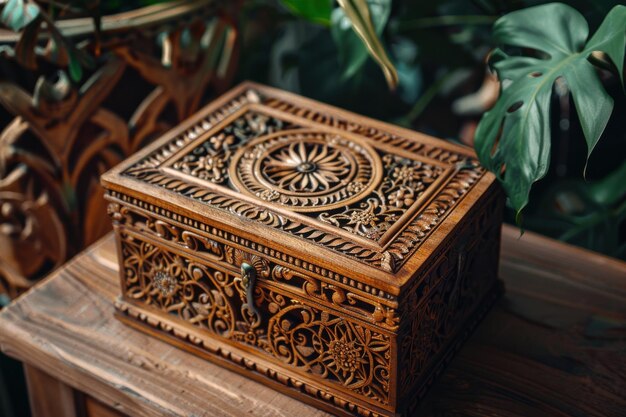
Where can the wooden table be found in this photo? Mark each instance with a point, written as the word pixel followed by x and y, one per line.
pixel 555 345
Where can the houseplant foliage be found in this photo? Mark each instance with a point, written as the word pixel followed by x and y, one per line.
pixel 534 50
pixel 513 138
pixel 356 26
pixel 30 18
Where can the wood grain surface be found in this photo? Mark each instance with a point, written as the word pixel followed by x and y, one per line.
pixel 555 344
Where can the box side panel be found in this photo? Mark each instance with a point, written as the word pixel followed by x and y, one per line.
pixel 305 332
pixel 442 308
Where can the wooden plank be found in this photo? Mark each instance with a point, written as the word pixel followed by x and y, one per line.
pixel 554 345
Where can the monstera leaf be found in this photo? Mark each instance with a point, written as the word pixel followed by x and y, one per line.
pixel 513 138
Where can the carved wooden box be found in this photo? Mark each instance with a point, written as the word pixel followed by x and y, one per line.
pixel 338 259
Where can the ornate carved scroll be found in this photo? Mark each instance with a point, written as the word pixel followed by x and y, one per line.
pixel 333 348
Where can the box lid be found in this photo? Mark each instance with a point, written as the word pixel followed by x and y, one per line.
pixel 362 198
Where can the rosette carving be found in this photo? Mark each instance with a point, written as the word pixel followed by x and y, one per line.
pixel 332 348
pixel 176 285
pixel 303 167
pixel 308 171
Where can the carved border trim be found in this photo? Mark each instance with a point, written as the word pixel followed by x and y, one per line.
pixel 251 245
pixel 206 248
pixel 129 311
pixel 372 133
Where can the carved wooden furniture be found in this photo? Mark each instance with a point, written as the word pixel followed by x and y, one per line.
pixel 553 346
pixel 56 137
pixel 338 259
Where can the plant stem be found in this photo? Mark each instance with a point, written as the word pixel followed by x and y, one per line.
pixel 63 7
pixel 428 95
pixel 452 20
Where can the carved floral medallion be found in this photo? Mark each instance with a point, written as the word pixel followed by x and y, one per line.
pixel 305 167
pixel 165 283
pixel 306 170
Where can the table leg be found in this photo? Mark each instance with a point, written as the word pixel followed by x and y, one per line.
pixel 94 408
pixel 49 397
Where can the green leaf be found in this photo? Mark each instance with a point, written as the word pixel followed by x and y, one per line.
pixel 514 135
pixel 316 11
pixel 75 68
pixel 356 26
pixel 17 14
pixel 610 190
pixel 609 38
pixel 77 58
pixel 4 301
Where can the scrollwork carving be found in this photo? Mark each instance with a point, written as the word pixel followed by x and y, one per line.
pixel 337 296
pixel 172 283
pixel 61 137
pixel 274 374
pixel 331 347
pixel 307 338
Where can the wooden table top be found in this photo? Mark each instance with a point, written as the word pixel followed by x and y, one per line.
pixel 554 345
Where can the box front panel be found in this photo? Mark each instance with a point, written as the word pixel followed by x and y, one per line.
pixel 193 280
